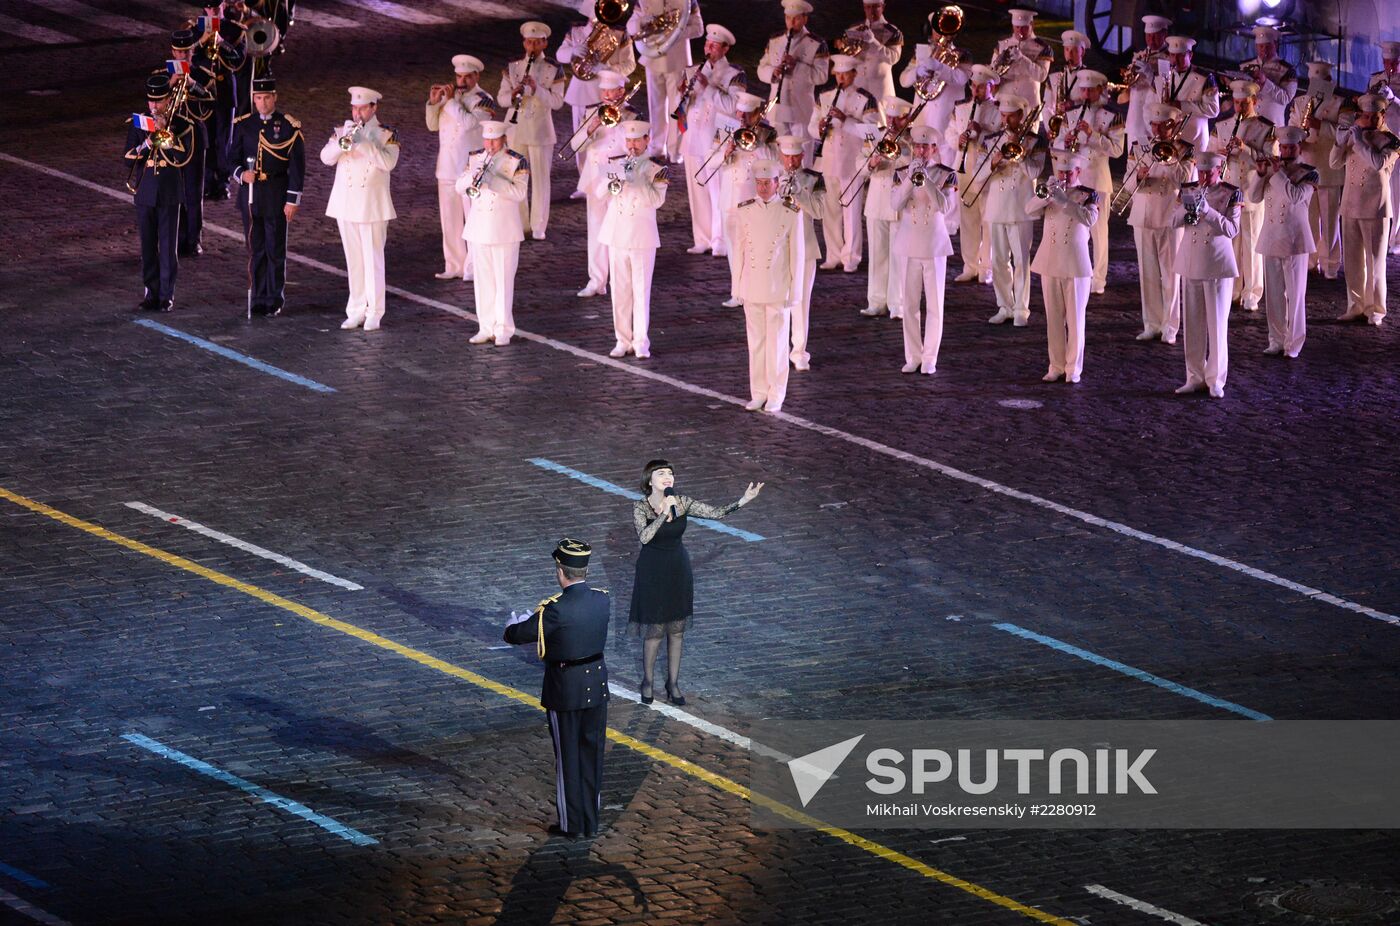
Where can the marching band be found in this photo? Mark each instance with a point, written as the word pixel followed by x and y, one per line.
pixel 1231 207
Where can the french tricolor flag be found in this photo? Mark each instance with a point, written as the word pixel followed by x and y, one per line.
pixel 177 68
pixel 144 123
pixel 207 25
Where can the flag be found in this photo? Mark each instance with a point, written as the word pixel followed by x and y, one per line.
pixel 177 68
pixel 207 25
pixel 144 123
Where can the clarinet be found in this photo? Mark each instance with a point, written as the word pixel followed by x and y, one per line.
pixel 782 78
pixel 825 126
pixel 518 94
pixel 683 103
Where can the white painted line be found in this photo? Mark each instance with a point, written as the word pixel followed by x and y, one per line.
pixel 873 446
pixel 33 33
pixel 245 546
pixel 398 11
pixel 1141 906
pixel 309 17
pixel 701 724
pixel 31 911
pixel 91 14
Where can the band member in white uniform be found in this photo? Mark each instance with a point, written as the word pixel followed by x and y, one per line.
pixel 1147 66
pixel 1285 185
pixel 1321 126
pixel 1208 214
pixel 711 90
pixel 885 273
pixel 664 71
pixel 496 180
pixel 799 62
pixel 1154 234
pixel 1191 90
pixel 881 47
pixel 1386 84
pixel 924 195
pixel 1022 59
pixel 976 125
pixel 1060 85
pixel 599 143
pixel 1008 228
pixel 456 114
pixel 1241 146
pixel 574 53
pixel 804 186
pixel 363 152
pixel 768 239
pixel 735 177
pixel 1096 131
pixel 1062 260
pixel 839 124
pixel 1367 152
pixel 929 71
pixel 531 89
pixel 1278 84
pixel 636 187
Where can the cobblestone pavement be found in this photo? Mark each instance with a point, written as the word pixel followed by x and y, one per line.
pixel 893 539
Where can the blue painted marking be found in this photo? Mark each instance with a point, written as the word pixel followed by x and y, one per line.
pixel 597 483
pixel 23 877
pixel 261 793
pixel 234 355
pixel 1128 670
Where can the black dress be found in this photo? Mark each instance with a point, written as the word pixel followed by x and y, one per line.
pixel 663 592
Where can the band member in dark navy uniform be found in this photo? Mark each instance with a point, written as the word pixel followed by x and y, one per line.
pixel 156 154
pixel 224 53
pixel 269 158
pixel 570 630
pixel 199 106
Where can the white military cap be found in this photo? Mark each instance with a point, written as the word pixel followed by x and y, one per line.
pixel 796 7
pixel 1370 103
pixel 894 106
pixel 923 135
pixel 747 102
pixel 842 63
pixel 1074 39
pixel 789 144
pixel 467 64
pixel 586 8
pixel 1022 17
pixel 1209 160
pixel 1162 112
pixel 1241 89
pixel 1319 70
pixel 1011 103
pixel 1265 35
pixel 535 30
pixel 1155 24
pixel 714 32
pixel 765 170
pixel 1290 135
pixel 1390 50
pixel 1068 160
pixel 362 96
pixel 1089 78
pixel 636 128
pixel 492 128
pixel 611 80
pixel 981 74
pixel 1180 44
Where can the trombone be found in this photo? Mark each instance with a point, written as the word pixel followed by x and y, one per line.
pixel 1163 151
pixel 1014 151
pixel 609 114
pixel 745 138
pixel 886 149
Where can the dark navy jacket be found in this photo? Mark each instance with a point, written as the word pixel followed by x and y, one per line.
pixel 158 179
pixel 575 624
pixel 283 161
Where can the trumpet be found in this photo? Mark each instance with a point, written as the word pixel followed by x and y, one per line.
pixel 1192 198
pixel 1045 188
pixel 917 177
pixel 853 41
pixel 347 141
pixel 786 191
pixel 474 190
pixel 615 182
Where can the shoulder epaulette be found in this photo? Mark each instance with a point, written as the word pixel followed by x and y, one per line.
pixel 515 154
pixel 615 157
pixel 747 202
pixel 473 154
pixel 292 121
pixel 658 160
pixel 866 93
pixel 812 173
pixel 1228 186
pixel 238 119
pixel 1394 140
pixel 603 590
pixel 550 600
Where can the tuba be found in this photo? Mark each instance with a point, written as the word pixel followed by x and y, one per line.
pixel 604 40
pixel 658 34
pixel 261 37
pixel 946 23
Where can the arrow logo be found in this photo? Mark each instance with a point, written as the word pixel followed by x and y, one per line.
pixel 812 771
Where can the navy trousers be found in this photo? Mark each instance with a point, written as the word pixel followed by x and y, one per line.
pixel 579 737
pixel 159 227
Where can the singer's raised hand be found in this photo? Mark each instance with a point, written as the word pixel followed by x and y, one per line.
pixel 751 492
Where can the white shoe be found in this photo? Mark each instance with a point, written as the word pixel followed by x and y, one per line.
pixel 1147 334
pixel 538 236
pixel 697 249
pixel 1051 377
pixel 967 276
pixel 1250 306
pixel 1072 379
pixel 481 337
pixel 772 409
pixel 850 268
pixel 1376 319
pixel 927 370
pixel 1350 315
pixel 1097 290
pixel 1189 387
pixel 801 366
pixel 577 194
pixel 371 324
pixel 502 341
pixel 871 311
pixel 1217 392
pixel 754 406
pixel 446 275
pixel 830 265
pixel 1273 349
pixel 351 323
pixel 1168 339
pixel 1022 320
pixel 618 351
pixel 731 303
pixel 468 277
pixel 643 355
pixel 592 289
pixel 718 252
pixel 1292 354
pixel 897 315
pixel 1003 315
pixel 909 368
pixel 986 279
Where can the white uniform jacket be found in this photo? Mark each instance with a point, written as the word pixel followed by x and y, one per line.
pixel 535 123
pixel 495 214
pixel 361 189
pixel 1205 251
pixel 457 122
pixel 1064 241
pixel 768 238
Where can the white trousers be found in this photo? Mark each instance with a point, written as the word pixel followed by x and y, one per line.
pixel 582 154
pixel 705 218
pixel 974 245
pixel 1364 247
pixel 1011 266
pixel 364 265
pixel 1065 299
pixel 885 273
pixel 923 283
pixel 632 270
pixel 1285 294
pixel 1098 237
pixel 1161 308
pixel 1395 204
pixel 534 209
pixel 597 207
pixel 1205 316
pixel 843 229
pixel 1249 285
pixel 1325 213
pixel 494 288
pixel 766 325
pixel 802 313
pixel 663 93
pixel 452 209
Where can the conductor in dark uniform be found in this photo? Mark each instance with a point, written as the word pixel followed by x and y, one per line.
pixel 157 154
pixel 570 630
pixel 268 155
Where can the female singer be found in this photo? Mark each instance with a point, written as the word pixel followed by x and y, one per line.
pixel 663 591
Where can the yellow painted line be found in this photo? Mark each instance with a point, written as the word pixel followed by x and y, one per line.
pixel 717 781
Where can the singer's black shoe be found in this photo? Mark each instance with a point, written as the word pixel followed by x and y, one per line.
pixel 673 697
pixel 649 696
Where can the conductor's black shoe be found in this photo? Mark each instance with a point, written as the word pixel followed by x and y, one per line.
pixel 273 311
pixel 556 831
pixel 166 306
pixel 148 305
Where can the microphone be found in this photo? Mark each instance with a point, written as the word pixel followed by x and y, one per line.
pixel 670 512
